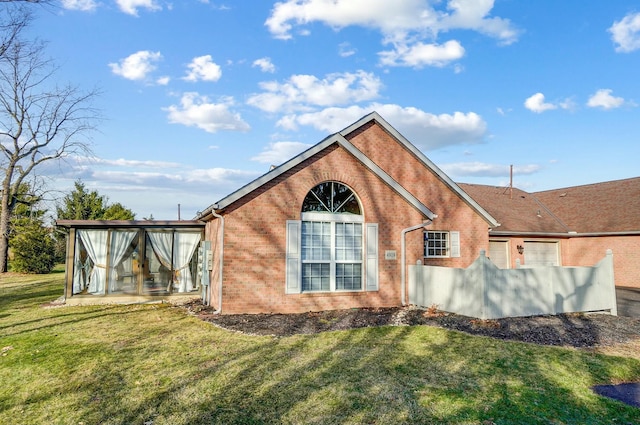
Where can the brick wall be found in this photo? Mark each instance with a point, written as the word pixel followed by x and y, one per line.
pixel 587 251
pixel 454 214
pixel 254 249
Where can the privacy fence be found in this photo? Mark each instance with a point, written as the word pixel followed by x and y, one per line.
pixel 484 291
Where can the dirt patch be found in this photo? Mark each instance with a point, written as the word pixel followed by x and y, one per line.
pixel 572 330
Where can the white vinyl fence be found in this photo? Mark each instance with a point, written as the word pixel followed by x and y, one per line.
pixel 484 291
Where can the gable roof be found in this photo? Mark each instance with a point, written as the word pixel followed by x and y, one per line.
pixel 336 138
pixel 600 208
pixel 425 161
pixel 339 138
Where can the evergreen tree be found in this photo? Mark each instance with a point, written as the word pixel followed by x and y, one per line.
pixel 118 212
pixel 81 204
pixel 32 246
pixel 30 240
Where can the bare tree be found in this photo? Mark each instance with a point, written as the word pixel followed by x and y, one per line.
pixel 14 17
pixel 40 122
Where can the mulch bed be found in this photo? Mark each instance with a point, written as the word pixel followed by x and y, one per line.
pixel 573 330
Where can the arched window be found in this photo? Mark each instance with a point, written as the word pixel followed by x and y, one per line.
pixel 332 239
pixel 331 197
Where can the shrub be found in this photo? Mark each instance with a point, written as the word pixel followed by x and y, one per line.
pixel 33 247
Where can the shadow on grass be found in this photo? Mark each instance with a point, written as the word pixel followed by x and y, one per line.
pixel 188 372
pixel 376 375
pixel 29 294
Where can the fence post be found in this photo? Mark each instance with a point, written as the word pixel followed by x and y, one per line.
pixel 483 285
pixel 610 277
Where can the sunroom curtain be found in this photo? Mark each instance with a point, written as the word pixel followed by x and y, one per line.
pixel 80 272
pixel 120 242
pixel 161 245
pixel 183 247
pixel 95 242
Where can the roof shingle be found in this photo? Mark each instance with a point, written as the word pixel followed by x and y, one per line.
pixel 606 207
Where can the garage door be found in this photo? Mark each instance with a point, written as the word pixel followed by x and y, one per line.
pixel 541 254
pixel 498 254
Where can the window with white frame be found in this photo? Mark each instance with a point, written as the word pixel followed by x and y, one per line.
pixel 331 248
pixel 331 239
pixel 441 244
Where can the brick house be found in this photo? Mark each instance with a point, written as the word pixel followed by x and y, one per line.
pixel 571 226
pixel 335 226
pixel 330 228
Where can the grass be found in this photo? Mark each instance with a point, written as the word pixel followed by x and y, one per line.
pixel 155 364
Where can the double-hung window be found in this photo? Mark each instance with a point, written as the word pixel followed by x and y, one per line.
pixel 331 253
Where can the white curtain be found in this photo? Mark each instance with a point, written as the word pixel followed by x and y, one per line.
pixel 80 271
pixel 182 248
pixel 161 245
pixel 185 245
pixel 95 242
pixel 120 242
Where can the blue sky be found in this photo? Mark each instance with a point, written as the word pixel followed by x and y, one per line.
pixel 200 97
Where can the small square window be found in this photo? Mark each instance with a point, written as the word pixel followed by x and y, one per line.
pixel 436 244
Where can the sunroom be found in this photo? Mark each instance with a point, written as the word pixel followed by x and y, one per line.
pixel 133 261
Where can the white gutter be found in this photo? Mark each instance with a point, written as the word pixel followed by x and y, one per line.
pixel 221 218
pixel 403 256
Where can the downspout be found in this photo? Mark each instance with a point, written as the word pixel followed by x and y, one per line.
pixel 221 218
pixel 403 256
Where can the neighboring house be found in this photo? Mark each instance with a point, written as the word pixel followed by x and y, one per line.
pixel 334 228
pixel 572 226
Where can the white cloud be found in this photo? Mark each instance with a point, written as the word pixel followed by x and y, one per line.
pixel 81 5
pixel 300 92
pixel 278 152
pixel 626 33
pixel 130 181
pixel 196 110
pixel 421 54
pixel 423 129
pixel 345 50
pixel 136 66
pixel 163 81
pixel 131 7
pixel 474 15
pixel 121 162
pixel 603 99
pixel 537 104
pixel 482 169
pixel 265 65
pixel 203 68
pixel 402 23
pixel 132 171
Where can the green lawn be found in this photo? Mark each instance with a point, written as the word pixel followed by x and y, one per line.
pixel 155 364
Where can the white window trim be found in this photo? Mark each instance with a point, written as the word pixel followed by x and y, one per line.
pixel 453 244
pixel 330 217
pixel 333 261
pixel 293 273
